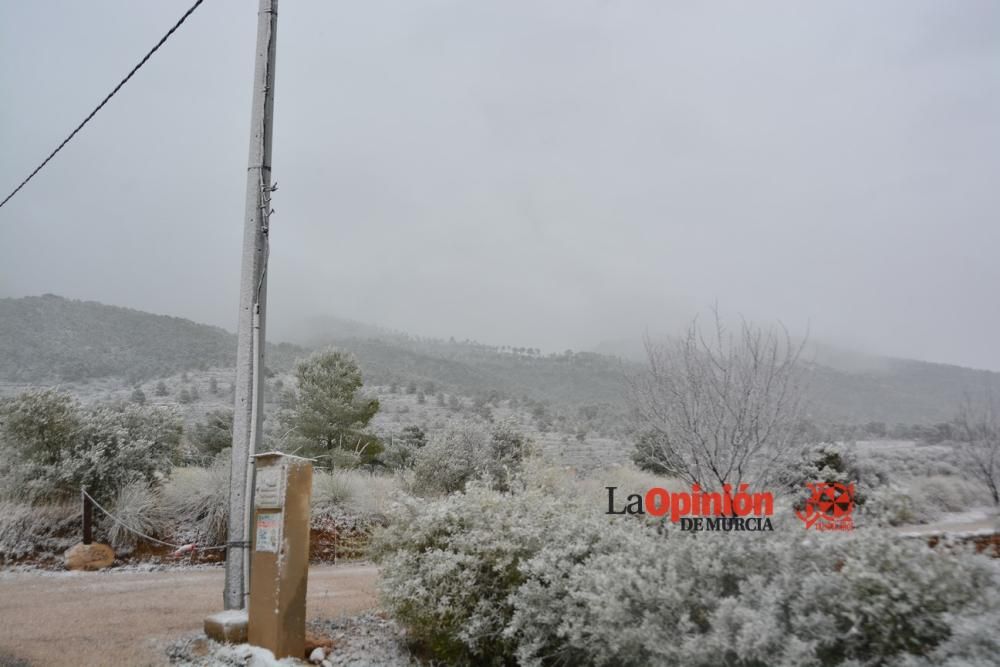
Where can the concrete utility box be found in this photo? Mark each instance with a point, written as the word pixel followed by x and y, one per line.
pixel 279 565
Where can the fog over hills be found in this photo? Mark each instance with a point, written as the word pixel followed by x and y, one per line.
pixel 48 339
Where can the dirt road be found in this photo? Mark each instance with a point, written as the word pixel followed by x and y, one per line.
pixel 106 619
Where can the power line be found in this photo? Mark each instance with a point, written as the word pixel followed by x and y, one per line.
pixel 105 100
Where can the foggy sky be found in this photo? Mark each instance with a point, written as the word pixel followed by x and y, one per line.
pixel 546 174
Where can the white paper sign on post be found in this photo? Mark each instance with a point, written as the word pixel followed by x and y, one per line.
pixel 268 532
pixel 269 490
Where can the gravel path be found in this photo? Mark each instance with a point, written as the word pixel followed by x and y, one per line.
pixel 128 617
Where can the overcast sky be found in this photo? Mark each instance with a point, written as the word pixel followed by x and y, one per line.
pixel 551 174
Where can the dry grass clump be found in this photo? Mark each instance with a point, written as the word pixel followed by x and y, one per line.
pixel 356 492
pixel 591 486
pixel 139 507
pixel 199 499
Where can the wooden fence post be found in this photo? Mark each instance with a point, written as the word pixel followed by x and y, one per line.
pixel 88 517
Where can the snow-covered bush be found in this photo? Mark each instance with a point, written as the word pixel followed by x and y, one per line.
pixel 888 597
pixel 342 459
pixel 371 494
pixel 330 490
pixel 950 494
pixel 449 567
pixel 893 505
pixel 361 494
pixel 51 446
pixel 542 577
pixel 823 462
pixel 467 452
pixel 401 451
pixel 892 487
pixel 139 507
pixel 731 599
pixel 41 532
pixel 914 461
pixel 919 500
pixel 835 463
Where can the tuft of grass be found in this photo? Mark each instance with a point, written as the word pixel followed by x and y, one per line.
pixel 373 493
pixel 331 490
pixel 198 498
pixel 139 507
pixel 356 492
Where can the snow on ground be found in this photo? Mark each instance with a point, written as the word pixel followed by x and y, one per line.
pixel 194 652
pixel 367 640
pixel 976 521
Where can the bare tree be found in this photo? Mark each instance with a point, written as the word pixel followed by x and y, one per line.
pixel 719 409
pixel 978 435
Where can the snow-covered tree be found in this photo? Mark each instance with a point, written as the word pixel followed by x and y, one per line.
pixel 719 407
pixel 978 431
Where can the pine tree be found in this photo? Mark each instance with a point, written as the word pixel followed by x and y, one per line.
pixel 330 411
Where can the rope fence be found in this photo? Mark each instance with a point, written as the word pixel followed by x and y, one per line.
pixel 179 549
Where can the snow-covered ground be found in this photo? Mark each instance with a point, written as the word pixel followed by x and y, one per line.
pixel 976 521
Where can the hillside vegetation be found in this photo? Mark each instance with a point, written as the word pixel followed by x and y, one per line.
pixel 50 339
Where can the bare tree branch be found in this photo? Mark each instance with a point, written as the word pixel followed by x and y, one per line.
pixel 720 408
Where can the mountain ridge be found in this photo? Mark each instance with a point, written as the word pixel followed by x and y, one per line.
pixel 45 339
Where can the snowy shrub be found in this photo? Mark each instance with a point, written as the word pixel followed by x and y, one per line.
pixel 38 531
pixel 449 567
pixel 508 448
pixel 450 459
pixel 539 576
pixel 139 507
pixel 894 505
pixel 836 463
pixel 371 494
pixel 824 462
pixel 361 494
pixel 914 461
pixel 342 459
pixel 330 489
pixel 919 500
pixel 891 489
pixel 973 640
pixel 214 433
pixel 199 499
pixel 467 452
pixel 401 451
pixel 50 446
pixel 398 455
pixel 949 494
pixel 888 597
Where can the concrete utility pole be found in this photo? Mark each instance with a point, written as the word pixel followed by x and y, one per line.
pixel 248 413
